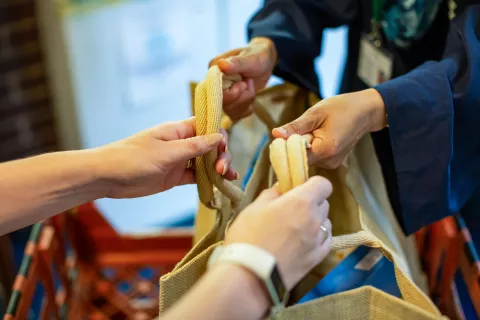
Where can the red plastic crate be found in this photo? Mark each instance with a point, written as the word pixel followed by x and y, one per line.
pixel 89 271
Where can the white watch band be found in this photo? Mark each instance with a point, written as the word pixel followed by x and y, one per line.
pixel 255 259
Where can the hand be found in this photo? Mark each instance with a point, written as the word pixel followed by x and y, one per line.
pixel 155 160
pixel 337 123
pixel 289 227
pixel 255 63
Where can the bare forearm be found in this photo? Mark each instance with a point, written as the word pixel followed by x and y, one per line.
pixel 36 188
pixel 225 292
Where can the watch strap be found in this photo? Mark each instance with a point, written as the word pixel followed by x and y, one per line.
pixel 259 261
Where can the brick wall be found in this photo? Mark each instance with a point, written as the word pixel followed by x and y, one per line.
pixel 26 112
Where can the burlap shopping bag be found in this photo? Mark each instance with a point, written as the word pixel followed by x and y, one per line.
pixel 359 210
pixel 249 135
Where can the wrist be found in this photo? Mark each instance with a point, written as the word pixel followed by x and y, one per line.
pixel 97 168
pixel 375 108
pixel 249 289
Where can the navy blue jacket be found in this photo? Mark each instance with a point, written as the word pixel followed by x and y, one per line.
pixel 430 155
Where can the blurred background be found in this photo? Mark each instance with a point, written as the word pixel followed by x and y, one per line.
pixel 83 73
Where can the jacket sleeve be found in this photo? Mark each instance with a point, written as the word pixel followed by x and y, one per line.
pixel 434 119
pixel 296 28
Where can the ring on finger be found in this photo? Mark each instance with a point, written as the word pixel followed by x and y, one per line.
pixel 325 232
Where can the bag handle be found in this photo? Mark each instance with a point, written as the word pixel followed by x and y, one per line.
pixel 289 161
pixel 288 157
pixel 208 112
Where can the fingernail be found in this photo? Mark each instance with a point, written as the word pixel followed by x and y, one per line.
pixel 213 139
pixel 224 140
pixel 225 168
pixel 226 147
pixel 237 176
pixel 282 131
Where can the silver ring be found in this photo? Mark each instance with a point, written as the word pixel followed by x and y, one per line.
pixel 325 232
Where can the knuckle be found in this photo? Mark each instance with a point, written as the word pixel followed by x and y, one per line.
pixel 303 203
pixel 332 148
pixel 300 221
pixel 294 127
pixel 311 122
pixel 192 144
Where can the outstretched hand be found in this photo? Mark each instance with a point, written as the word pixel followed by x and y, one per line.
pixel 156 159
pixel 337 124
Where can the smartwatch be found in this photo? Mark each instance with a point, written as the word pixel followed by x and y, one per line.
pixel 261 263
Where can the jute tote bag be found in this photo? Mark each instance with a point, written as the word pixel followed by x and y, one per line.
pixel 359 210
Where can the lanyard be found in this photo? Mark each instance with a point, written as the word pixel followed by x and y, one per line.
pixel 377 9
pixel 377 13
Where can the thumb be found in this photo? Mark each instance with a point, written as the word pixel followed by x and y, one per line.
pixel 185 149
pixel 306 123
pixel 246 65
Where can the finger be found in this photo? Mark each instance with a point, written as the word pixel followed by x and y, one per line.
pixel 232 94
pixel 185 149
pixel 316 190
pixel 227 54
pixel 231 174
pixel 243 107
pixel 250 90
pixel 247 93
pixel 321 250
pixel 306 123
pixel 328 225
pixel 174 130
pixel 324 230
pixel 223 146
pixel 239 110
pixel 223 163
pixel 325 151
pixel 188 177
pixel 242 64
pixel 323 211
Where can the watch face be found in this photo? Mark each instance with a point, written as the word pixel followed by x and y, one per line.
pixel 278 283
